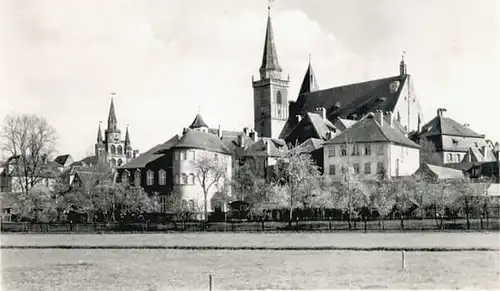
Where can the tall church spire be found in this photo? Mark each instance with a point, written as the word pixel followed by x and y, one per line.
pixel 309 84
pixel 402 65
pixel 99 134
pixel 112 121
pixel 270 67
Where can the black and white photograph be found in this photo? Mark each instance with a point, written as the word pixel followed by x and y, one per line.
pixel 249 145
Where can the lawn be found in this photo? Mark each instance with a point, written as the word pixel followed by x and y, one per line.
pixel 180 269
pixel 428 240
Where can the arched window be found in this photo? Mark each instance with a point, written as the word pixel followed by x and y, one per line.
pixel 112 149
pixel 137 178
pixel 162 177
pixel 184 179
pixel 119 150
pixel 120 162
pixel 113 162
pixel 150 178
pixel 191 179
pixel 279 98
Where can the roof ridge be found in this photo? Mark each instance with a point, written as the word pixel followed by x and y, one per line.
pixel 356 83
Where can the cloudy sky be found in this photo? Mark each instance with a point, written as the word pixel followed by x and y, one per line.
pixel 167 59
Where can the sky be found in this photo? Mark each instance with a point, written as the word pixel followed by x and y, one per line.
pixel 167 60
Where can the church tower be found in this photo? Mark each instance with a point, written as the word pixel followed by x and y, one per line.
pixel 113 149
pixel 271 91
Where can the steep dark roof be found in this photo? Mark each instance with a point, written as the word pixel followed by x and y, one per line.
pixel 311 126
pixel 62 159
pixel 309 84
pixel 198 122
pixel 441 125
pixel 359 98
pixel 152 154
pixel 369 130
pixel 269 56
pixel 202 140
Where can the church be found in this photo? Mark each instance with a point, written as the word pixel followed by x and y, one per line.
pixel 276 117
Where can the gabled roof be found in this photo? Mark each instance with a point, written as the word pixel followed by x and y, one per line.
pixel 443 173
pixel 87 161
pixel 202 140
pixel 152 154
pixel 441 125
pixel 198 122
pixel 342 124
pixel 311 126
pixel 62 159
pixel 369 130
pixel 277 148
pixel 359 98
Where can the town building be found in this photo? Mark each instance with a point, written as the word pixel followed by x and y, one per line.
pixel 446 141
pixel 112 148
pixel 369 148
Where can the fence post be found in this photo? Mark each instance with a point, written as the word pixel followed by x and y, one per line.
pixel 403 262
pixel 210 282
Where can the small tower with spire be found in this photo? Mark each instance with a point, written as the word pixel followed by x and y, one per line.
pixel 100 148
pixel 271 91
pixel 309 84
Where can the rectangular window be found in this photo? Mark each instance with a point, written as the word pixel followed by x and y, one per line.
pixel 380 168
pixel 183 155
pixel 163 177
pixel 380 149
pixel 331 151
pixel 450 157
pixel 368 150
pixel 355 150
pixel 343 150
pixel 163 204
pixel 356 168
pixel 332 170
pixel 368 168
pixel 150 178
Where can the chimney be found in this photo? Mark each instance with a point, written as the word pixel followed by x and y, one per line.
pixel 135 154
pixel 380 117
pixel 391 118
pixel 322 112
pixel 240 140
pixel 466 125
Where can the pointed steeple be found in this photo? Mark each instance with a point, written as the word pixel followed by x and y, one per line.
pixel 198 122
pixel 309 84
pixel 128 144
pixel 270 67
pixel 112 121
pixel 99 134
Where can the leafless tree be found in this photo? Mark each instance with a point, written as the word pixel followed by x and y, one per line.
pixel 30 140
pixel 210 171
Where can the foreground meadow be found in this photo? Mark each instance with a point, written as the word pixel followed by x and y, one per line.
pixel 291 239
pixel 55 269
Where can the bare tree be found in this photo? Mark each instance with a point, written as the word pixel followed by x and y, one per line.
pixel 30 140
pixel 210 170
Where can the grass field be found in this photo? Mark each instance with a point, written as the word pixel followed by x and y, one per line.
pixel 57 269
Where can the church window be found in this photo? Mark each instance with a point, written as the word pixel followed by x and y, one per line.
pixel 119 150
pixel 279 98
pixel 150 178
pixel 113 149
pixel 162 177
pixel 113 162
pixel 191 179
pixel 137 178
pixel 184 179
pixel 120 162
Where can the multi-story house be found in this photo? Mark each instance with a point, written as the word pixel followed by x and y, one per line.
pixel 369 148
